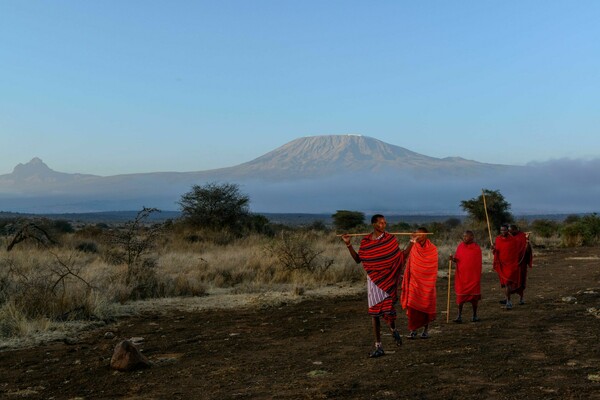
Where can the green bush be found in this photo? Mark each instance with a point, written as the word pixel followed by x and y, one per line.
pixel 585 231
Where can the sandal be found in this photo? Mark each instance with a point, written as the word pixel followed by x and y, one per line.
pixel 458 320
pixel 424 335
pixel 412 335
pixel 378 352
pixel 475 319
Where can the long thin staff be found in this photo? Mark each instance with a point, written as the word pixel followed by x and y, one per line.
pixel 391 233
pixel 449 280
pixel 486 217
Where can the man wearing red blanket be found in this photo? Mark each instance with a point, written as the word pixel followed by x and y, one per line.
pixel 467 282
pixel 418 285
pixel 525 257
pixel 382 259
pixel 506 263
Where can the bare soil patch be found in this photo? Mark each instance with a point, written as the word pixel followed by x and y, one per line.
pixel 317 349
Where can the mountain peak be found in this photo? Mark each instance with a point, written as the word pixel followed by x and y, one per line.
pixel 34 167
pixel 326 154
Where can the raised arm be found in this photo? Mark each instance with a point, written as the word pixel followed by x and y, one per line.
pixel 346 239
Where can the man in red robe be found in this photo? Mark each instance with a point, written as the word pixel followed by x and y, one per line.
pixel 506 263
pixel 382 259
pixel 418 285
pixel 467 278
pixel 525 258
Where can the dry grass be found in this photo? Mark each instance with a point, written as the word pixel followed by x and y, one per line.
pixel 35 293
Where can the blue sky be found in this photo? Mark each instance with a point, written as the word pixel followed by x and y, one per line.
pixel 113 87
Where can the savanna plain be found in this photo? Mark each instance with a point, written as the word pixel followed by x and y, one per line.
pixel 279 312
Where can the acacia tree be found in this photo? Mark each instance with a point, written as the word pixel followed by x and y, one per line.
pixel 345 220
pixel 215 206
pixel 497 208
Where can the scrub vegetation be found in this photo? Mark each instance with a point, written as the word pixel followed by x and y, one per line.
pixel 52 271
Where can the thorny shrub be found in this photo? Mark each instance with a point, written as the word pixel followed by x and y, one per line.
pixel 296 251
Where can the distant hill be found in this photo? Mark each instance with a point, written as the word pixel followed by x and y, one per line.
pixel 317 174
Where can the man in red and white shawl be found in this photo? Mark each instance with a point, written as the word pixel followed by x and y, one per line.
pixel 382 259
pixel 467 278
pixel 418 285
pixel 525 258
pixel 506 264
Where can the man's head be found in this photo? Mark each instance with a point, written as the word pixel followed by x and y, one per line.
pixel 504 230
pixel 513 229
pixel 421 239
pixel 379 223
pixel 468 237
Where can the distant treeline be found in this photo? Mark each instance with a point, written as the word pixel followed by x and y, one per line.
pixel 291 219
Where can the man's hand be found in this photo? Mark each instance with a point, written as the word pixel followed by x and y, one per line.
pixel 346 240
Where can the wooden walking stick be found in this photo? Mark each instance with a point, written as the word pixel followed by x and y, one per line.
pixel 449 280
pixel 487 218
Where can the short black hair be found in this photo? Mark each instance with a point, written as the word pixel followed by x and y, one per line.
pixel 514 227
pixel 469 233
pixel 422 229
pixel 375 217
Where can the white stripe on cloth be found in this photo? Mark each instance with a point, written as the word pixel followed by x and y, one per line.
pixel 375 294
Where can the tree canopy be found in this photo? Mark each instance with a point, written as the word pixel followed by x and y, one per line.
pixel 344 220
pixel 497 208
pixel 215 206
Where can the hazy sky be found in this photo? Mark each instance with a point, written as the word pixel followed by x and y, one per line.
pixel 110 87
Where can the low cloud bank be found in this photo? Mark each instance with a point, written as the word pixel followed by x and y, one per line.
pixel 558 186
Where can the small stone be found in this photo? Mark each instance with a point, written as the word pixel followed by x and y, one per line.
pixel 127 357
pixel 569 300
pixel 316 373
pixel 109 335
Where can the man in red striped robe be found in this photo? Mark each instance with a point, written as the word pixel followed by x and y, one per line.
pixel 467 278
pixel 382 259
pixel 418 285
pixel 525 258
pixel 506 264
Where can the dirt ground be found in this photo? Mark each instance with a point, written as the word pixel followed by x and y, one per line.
pixel 317 349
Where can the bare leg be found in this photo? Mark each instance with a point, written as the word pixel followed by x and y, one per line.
pixel 475 303
pixel 377 329
pixel 507 292
pixel 378 352
pixel 458 319
pixel 425 333
pixel 395 333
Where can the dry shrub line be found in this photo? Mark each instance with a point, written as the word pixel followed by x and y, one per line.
pixel 130 240
pixel 33 231
pixel 296 252
pixel 136 241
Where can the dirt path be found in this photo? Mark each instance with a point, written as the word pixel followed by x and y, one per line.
pixel 317 349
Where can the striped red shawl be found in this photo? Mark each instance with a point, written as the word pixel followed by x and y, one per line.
pixel 382 260
pixel 420 276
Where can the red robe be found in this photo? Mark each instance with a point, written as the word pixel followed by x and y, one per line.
pixel 382 260
pixel 467 279
pixel 525 260
pixel 418 285
pixel 506 262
